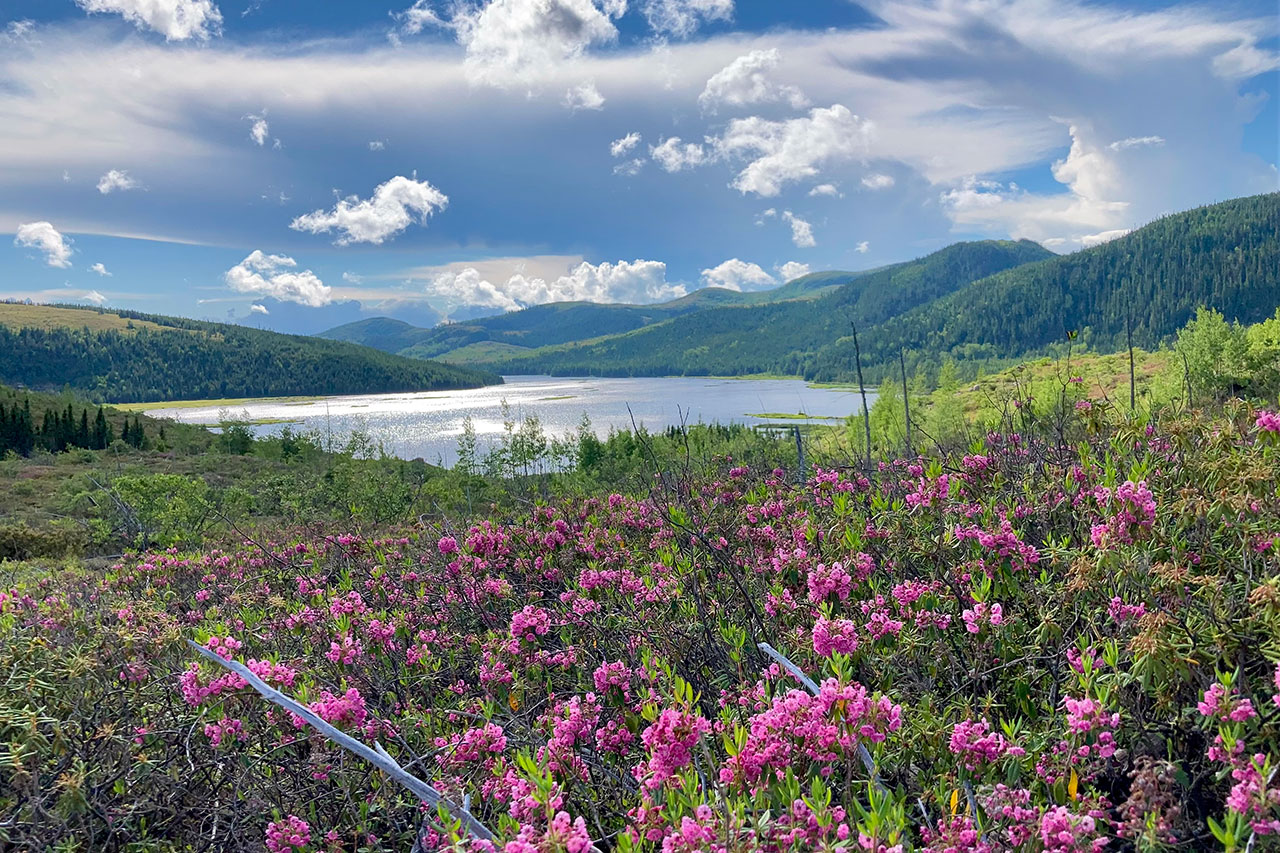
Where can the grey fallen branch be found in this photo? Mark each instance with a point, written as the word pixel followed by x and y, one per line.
pixel 376 756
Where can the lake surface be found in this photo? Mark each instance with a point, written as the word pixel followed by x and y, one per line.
pixel 428 424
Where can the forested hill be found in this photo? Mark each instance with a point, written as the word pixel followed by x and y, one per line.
pixel 780 336
pixel 123 356
pixel 1225 256
pixel 971 301
pixel 561 322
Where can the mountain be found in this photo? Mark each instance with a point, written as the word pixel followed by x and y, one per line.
pixel 124 356
pixel 976 302
pixel 560 322
pixel 293 319
pixel 778 336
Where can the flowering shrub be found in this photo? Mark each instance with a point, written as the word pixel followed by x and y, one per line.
pixel 1035 645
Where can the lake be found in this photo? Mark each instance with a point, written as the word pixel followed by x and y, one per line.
pixel 428 424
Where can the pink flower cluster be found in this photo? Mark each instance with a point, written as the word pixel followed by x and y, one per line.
pixel 346 710
pixel 820 728
pixel 1088 716
pixel 529 623
pixel 1063 831
pixel 1005 543
pixel 1252 797
pixel 834 635
pixel 958 834
pixel 825 580
pixel 1220 702
pixel 670 740
pixel 1133 510
pixel 475 745
pixel 977 744
pixel 980 614
pixel 1121 612
pixel 288 835
pixel 225 730
pixel 1268 422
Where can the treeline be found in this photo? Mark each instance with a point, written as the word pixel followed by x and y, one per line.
pixel 190 360
pixel 62 430
pixel 976 303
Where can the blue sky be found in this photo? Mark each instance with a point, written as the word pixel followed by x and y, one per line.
pixel 330 161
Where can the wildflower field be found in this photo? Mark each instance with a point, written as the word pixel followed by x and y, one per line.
pixel 1040 642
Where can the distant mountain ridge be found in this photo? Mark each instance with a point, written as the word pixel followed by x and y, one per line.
pixel 127 356
pixel 983 301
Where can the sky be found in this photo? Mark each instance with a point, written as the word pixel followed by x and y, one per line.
pixel 297 165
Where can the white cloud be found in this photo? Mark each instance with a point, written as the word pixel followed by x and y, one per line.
pixel 629 167
pixel 391 210
pixel 353 278
pixel 583 97
pixel 511 42
pixel 1087 240
pixel 274 276
pixel 746 81
pixel 801 231
pixel 377 145
pixel 673 155
pixel 1136 142
pixel 682 18
pixel 734 274
pixel 792 270
pixel 176 20
pixel 259 130
pixel 825 189
pixel 116 179
pixel 18 30
pixel 862 248
pixel 1090 206
pixel 877 181
pixel 100 269
pixel 255 308
pixel 624 146
pixel 792 149
pixel 633 282
pixel 46 238
pixel 93 296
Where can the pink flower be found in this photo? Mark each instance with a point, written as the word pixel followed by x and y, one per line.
pixel 977 744
pixel 670 740
pixel 834 635
pixel 285 836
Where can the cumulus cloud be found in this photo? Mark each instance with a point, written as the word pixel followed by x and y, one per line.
pixel 176 20
pixel 275 276
pixel 395 206
pixel 801 231
pixel 255 308
pixel 583 97
pixel 94 296
pixel 1087 240
pixel 862 248
pixel 781 152
pixel 792 270
pixel 739 275
pixel 746 81
pixel 877 181
pixel 825 189
pixel 1136 142
pixel 100 269
pixel 625 281
pixel 1089 207
pixel 682 18
pixel 45 238
pixel 624 146
pixel 674 155
pixel 377 145
pixel 116 179
pixel 518 42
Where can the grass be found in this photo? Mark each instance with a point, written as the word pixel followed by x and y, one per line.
pixel 222 403
pixel 480 351
pixel 800 416
pixel 17 315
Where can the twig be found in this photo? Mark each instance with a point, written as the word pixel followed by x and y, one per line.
pixel 376 756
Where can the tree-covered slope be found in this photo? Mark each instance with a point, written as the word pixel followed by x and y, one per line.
pixel 1225 256
pixel 780 336
pixel 166 358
